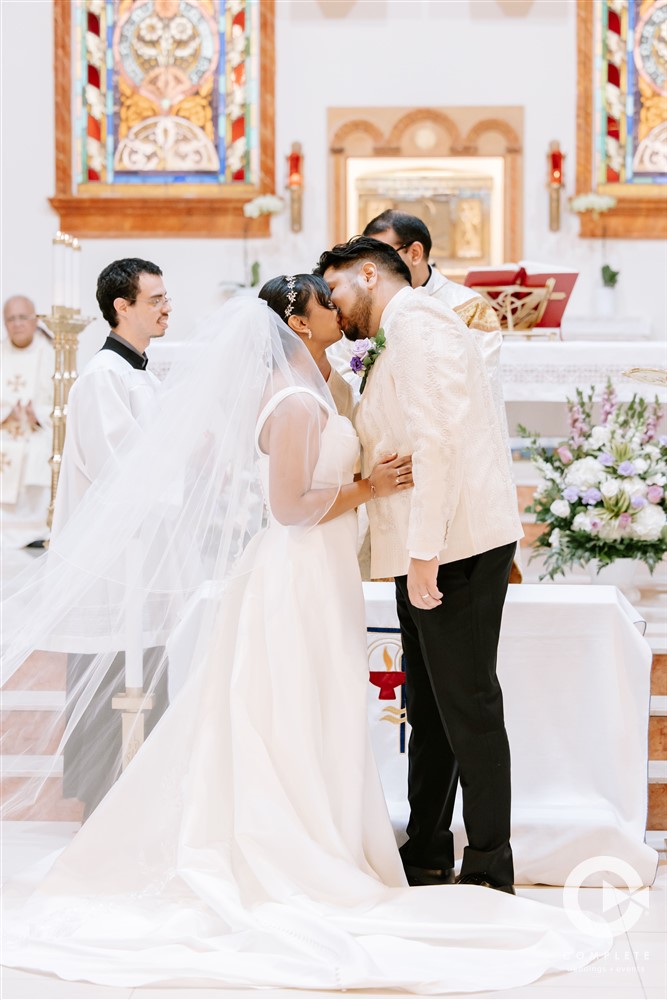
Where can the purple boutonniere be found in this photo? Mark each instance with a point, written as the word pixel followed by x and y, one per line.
pixel 365 354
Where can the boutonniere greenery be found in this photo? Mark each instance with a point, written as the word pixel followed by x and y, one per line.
pixel 365 354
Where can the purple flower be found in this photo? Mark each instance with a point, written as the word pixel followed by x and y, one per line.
pixel 356 364
pixel 564 454
pixel 626 469
pixel 638 502
pixel 571 494
pixel 663 440
pixel 624 520
pixel 361 347
pixel 605 458
pixel 654 493
pixel 591 496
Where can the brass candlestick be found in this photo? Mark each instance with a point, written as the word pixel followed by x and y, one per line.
pixel 65 324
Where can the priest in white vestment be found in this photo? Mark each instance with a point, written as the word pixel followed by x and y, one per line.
pixel 114 395
pixel 25 425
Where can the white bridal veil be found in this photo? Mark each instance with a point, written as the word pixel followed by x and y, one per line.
pixel 166 521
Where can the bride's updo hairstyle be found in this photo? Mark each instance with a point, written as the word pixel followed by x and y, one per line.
pixel 290 295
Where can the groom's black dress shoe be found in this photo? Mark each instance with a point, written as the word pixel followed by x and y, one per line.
pixel 481 878
pixel 429 876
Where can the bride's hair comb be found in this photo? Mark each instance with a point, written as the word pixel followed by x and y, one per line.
pixel 291 295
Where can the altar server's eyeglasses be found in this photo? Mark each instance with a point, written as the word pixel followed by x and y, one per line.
pixel 157 301
pixel 403 246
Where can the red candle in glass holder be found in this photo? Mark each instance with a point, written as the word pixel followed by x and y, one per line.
pixel 555 165
pixel 294 167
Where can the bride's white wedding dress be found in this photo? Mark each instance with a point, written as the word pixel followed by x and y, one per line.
pixel 249 842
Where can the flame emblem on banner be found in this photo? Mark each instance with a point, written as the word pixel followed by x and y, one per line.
pixel 391 680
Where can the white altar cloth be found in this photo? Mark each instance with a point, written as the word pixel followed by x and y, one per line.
pixel 575 672
pixel 548 372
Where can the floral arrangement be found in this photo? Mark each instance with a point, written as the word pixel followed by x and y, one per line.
pixel 263 204
pixel 364 355
pixel 602 495
pixel 598 204
pixel 592 202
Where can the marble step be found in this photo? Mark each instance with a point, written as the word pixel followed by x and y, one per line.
pixel 40 799
pixel 42 671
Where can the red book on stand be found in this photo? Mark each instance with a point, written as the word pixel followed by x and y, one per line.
pixel 531 274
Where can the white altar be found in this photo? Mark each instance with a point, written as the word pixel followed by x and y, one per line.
pixel 551 371
pixel 575 671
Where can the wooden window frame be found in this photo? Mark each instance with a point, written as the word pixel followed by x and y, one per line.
pixel 161 210
pixel 639 213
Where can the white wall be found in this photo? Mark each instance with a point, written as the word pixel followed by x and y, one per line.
pixel 411 52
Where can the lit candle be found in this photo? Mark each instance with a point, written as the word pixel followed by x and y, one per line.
pixel 76 275
pixel 58 274
pixel 556 158
pixel 68 270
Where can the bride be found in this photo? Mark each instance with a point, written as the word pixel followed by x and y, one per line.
pixel 248 842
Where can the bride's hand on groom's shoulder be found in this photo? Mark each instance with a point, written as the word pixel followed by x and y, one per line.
pixel 392 475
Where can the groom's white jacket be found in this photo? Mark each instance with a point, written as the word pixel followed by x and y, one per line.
pixel 428 395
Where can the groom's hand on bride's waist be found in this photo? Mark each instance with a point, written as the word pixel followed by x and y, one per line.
pixel 423 584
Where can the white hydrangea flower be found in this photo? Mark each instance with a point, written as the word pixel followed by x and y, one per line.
pixel 635 487
pixel 651 451
pixel 560 508
pixel 546 470
pixel 658 478
pixel 554 538
pixel 610 488
pixel 584 473
pixel 599 436
pixel 640 464
pixel 582 522
pixel 263 204
pixel 592 202
pixel 648 523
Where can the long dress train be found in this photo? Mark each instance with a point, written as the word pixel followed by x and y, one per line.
pixel 249 843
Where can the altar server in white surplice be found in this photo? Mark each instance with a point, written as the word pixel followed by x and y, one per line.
pixel 114 395
pixel 25 430
pixel 115 392
pixel 449 544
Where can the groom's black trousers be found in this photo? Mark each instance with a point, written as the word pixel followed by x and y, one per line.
pixel 455 708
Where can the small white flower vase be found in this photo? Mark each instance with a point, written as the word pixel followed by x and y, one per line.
pixel 605 301
pixel 621 574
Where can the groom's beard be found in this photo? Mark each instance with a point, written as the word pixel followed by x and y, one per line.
pixel 357 324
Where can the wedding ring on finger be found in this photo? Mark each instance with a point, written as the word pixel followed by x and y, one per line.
pixel 426 597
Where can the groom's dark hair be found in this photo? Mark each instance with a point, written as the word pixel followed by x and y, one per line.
pixel 363 248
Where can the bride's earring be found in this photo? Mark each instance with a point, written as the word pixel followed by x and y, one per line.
pixel 310 335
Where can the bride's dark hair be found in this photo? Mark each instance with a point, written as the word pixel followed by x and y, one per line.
pixel 276 294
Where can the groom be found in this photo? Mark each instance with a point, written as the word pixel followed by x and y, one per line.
pixel 449 544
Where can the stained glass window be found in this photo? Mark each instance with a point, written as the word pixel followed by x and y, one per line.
pixel 165 92
pixel 630 71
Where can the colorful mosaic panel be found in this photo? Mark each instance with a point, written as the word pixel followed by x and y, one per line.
pixel 166 91
pixel 630 130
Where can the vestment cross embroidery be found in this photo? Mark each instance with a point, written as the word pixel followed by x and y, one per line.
pixel 16 382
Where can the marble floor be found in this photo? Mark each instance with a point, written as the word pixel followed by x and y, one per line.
pixel 635 967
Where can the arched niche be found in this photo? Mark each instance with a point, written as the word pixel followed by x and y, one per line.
pixel 480 149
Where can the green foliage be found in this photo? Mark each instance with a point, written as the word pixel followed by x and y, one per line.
pixel 609 276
